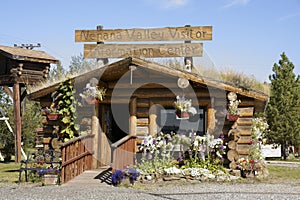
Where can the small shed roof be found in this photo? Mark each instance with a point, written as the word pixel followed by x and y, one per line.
pixel 17 53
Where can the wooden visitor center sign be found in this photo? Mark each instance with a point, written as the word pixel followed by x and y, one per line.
pixel 187 33
pixel 142 50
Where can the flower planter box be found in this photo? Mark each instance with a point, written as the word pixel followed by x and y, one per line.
pixel 91 100
pixel 50 179
pixel 231 117
pixel 182 115
pixel 247 173
pixel 52 116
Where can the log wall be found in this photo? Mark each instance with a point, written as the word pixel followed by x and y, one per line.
pixel 239 137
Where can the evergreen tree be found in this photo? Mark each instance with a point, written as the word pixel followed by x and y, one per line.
pixel 283 110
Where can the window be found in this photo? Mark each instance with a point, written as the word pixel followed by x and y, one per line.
pixel 168 121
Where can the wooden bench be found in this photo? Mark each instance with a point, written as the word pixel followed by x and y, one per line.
pixel 41 162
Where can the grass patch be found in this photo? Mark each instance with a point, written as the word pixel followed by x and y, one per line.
pixel 283 174
pixel 9 172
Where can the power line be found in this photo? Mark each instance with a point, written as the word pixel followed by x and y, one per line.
pixel 28 46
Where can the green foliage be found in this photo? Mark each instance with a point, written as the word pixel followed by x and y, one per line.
pixel 6 138
pixel 57 72
pixel 66 103
pixel 78 64
pixel 283 111
pixel 154 165
pixel 195 162
pixel 31 119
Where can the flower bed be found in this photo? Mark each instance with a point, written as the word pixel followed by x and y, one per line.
pixel 185 156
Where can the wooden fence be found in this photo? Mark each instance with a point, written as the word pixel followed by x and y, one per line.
pixel 124 151
pixel 77 156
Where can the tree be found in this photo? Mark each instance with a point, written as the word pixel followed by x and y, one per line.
pixel 31 119
pixel 57 73
pixel 7 143
pixel 78 64
pixel 283 110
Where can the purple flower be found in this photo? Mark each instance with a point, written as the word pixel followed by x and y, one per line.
pixel 192 137
pixel 149 155
pixel 222 136
pixel 169 138
pixel 180 158
pixel 222 148
pixel 181 133
pixel 145 141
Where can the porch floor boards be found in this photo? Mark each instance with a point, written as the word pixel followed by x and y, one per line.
pixel 100 176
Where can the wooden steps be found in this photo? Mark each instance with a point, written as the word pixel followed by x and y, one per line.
pixel 101 177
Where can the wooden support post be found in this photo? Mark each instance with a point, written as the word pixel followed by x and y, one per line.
pixel 95 130
pixel 152 119
pixel 17 121
pixel 133 118
pixel 104 60
pixel 188 61
pixel 211 119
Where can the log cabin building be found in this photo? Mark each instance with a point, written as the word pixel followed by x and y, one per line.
pixel 139 101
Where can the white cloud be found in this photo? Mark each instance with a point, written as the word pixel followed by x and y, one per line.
pixel 287 17
pixel 166 4
pixel 175 3
pixel 236 3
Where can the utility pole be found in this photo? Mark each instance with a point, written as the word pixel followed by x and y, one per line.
pixel 28 46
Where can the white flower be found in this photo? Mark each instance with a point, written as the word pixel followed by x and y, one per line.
pixel 195 172
pixel 196 143
pixel 172 170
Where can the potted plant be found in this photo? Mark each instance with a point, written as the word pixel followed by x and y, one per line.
pixel 248 167
pixel 183 107
pixel 233 111
pixel 53 112
pixel 92 94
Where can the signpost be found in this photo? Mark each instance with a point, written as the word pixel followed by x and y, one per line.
pixel 148 50
pixel 142 50
pixel 187 33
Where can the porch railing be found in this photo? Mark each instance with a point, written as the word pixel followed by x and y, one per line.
pixel 124 151
pixel 77 156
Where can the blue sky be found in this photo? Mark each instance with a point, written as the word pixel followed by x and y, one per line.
pixel 248 35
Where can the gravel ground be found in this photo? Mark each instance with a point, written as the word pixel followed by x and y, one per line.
pixel 205 191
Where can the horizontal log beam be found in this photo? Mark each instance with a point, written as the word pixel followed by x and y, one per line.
pixel 244 121
pixel 244 131
pixel 244 140
pixel 142 122
pixel 246 112
pixel 143 103
pixel 142 130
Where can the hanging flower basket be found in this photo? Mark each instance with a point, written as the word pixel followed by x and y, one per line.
pixel 232 117
pixel 53 116
pixel 182 115
pixel 91 100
